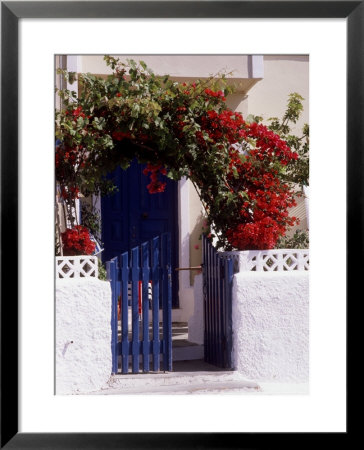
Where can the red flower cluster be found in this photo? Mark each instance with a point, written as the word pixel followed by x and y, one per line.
pixel 224 125
pixel 155 186
pixel 218 94
pixel 261 235
pixel 264 206
pixel 76 241
pixel 77 112
pixel 269 144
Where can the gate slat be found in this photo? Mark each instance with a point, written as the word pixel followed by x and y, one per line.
pixel 223 310
pixel 111 269
pixel 155 301
pixel 145 303
pixel 228 316
pixel 167 300
pixel 135 308
pixel 124 312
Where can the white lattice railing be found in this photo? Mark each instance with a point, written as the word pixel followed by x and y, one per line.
pixel 76 267
pixel 269 260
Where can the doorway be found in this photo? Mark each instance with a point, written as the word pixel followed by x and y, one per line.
pixel 132 216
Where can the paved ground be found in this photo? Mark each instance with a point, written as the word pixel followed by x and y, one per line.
pixel 223 388
pixel 194 377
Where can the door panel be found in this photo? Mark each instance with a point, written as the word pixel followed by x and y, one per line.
pixel 132 216
pixel 115 229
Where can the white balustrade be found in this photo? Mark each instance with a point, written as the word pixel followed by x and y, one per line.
pixel 76 266
pixel 277 260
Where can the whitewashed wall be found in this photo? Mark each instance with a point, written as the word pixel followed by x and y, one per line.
pixel 83 335
pixel 270 315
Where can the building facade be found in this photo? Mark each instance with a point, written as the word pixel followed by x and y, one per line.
pixel 261 84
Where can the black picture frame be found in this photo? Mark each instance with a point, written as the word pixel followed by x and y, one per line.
pixel 11 12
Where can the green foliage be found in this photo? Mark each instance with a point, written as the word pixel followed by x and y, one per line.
pixel 297 172
pixel 102 271
pixel 91 219
pixel 300 239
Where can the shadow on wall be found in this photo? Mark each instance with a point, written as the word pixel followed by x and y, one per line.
pixel 196 245
pixel 235 99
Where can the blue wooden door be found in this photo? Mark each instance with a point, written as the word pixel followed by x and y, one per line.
pixel 132 216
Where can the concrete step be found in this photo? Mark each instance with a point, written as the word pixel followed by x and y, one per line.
pixel 208 386
pixel 179 381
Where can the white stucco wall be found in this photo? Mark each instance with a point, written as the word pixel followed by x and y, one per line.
pixel 83 335
pixel 271 325
pixel 180 66
pixel 283 75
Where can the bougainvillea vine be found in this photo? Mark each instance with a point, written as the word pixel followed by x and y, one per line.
pixel 177 129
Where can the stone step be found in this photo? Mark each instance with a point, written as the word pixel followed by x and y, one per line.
pixel 208 386
pixel 180 380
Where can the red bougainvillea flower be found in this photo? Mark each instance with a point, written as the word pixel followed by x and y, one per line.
pixel 78 112
pixel 77 241
pixel 260 235
pixel 155 186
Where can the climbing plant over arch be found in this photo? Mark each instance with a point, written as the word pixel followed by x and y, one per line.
pixel 177 129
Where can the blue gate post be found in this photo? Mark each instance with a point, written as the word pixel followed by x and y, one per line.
pixel 167 301
pixel 156 269
pixel 124 312
pixel 228 315
pixel 135 308
pixel 112 276
pixel 145 303
pixel 218 302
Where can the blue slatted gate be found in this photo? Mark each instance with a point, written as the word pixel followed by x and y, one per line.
pixel 217 292
pixel 141 337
